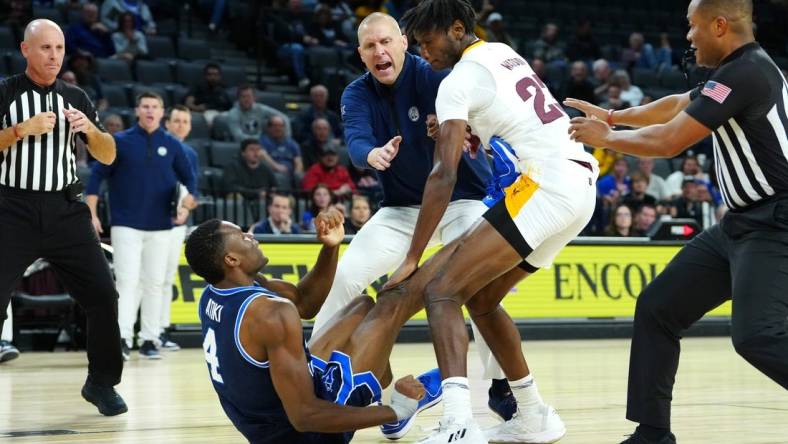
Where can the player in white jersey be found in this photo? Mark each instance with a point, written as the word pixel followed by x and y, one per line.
pixel 547 196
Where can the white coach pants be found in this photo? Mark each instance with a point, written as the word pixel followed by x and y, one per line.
pixel 8 326
pixel 381 246
pixel 140 260
pixel 175 245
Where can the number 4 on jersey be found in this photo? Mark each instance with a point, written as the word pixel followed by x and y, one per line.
pixel 548 115
pixel 209 347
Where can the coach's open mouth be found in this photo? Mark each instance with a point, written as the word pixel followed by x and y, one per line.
pixel 383 66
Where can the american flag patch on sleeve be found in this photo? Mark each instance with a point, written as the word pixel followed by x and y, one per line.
pixel 716 91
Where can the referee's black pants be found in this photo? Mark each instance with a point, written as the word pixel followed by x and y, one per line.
pixel 46 225
pixel 744 258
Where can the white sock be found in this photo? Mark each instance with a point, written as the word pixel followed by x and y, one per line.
pixel 526 394
pixel 456 399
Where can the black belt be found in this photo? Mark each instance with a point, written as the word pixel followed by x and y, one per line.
pixel 72 192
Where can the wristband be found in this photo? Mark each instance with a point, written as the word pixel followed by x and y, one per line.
pixel 610 117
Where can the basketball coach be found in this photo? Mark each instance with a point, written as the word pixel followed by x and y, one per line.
pixel 41 208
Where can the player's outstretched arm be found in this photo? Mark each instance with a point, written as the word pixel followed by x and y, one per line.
pixel 654 113
pixel 437 194
pixel 663 140
pixel 311 291
pixel 279 332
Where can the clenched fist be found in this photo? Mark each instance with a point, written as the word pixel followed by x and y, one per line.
pixel 41 123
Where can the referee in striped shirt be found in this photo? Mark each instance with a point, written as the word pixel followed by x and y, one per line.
pixel 745 257
pixel 41 210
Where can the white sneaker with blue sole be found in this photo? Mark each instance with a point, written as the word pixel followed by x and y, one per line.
pixel 433 395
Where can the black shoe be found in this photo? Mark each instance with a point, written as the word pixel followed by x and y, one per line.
pixel 104 397
pixel 8 351
pixel 502 404
pixel 638 438
pixel 125 350
pixel 167 343
pixel 148 350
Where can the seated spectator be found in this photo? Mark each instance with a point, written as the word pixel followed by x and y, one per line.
pixel 249 176
pixel 318 94
pixel 689 167
pixel 360 213
pixel 327 32
pixel 89 34
pixel 638 196
pixel 143 19
pixel 614 100
pixel 601 69
pixel 656 184
pixel 583 45
pixel 329 172
pixel 620 222
pixel 129 43
pixel 688 205
pixel 248 118
pixel 578 86
pixel 280 217
pixel 616 184
pixel 540 69
pixel 83 65
pixel 320 198
pixel 319 140
pixel 629 92
pixel 496 31
pixel 289 27
pixel 645 217
pixel 281 153
pixel 343 14
pixel 639 54
pixel 113 123
pixel 548 47
pixel 210 94
pixel 665 52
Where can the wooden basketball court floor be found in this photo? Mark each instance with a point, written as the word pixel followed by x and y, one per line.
pixel 719 398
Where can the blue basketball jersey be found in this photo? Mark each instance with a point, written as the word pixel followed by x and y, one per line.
pixel 246 391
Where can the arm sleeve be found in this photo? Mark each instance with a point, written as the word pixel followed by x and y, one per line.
pixel 233 120
pixel 469 87
pixel 183 169
pixel 731 90
pixel 357 118
pixel 90 111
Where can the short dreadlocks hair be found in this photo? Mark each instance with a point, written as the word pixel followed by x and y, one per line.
pixel 205 251
pixel 431 15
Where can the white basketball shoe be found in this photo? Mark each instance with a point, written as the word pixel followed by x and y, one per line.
pixel 541 427
pixel 451 431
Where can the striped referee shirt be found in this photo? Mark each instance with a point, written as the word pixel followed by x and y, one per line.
pixel 745 104
pixel 46 162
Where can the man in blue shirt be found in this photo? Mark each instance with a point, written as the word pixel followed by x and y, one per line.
pixel 386 113
pixel 142 182
pixel 282 153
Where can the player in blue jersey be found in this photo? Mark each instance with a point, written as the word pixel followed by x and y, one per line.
pixel 272 385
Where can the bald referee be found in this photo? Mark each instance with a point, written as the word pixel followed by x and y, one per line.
pixel 745 257
pixel 41 208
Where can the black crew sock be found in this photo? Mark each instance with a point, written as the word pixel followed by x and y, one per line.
pixel 652 433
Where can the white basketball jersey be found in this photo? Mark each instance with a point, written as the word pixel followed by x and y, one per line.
pixel 495 90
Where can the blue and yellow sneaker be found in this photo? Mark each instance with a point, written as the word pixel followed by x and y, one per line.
pixel 433 395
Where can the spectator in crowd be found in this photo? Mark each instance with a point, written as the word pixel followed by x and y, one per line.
pixel 665 52
pixel 689 167
pixel 548 47
pixel 616 184
pixel 583 45
pixel 629 92
pixel 360 212
pixel 129 43
pixel 656 184
pixel 540 69
pixel 688 204
pixel 113 123
pixel 637 195
pixel 620 222
pixel 639 54
pixel 83 65
pixel 210 94
pixel 613 99
pixel 281 153
pixel 111 11
pixel 602 73
pixel 327 32
pixel 280 217
pixel 645 217
pixel 248 118
pixel 343 14
pixel 319 140
pixel 320 198
pixel 142 183
pixel 578 85
pixel 291 38
pixel 328 171
pixel 496 31
pixel 69 77
pixel 249 176
pixel 318 95
pixel 89 34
